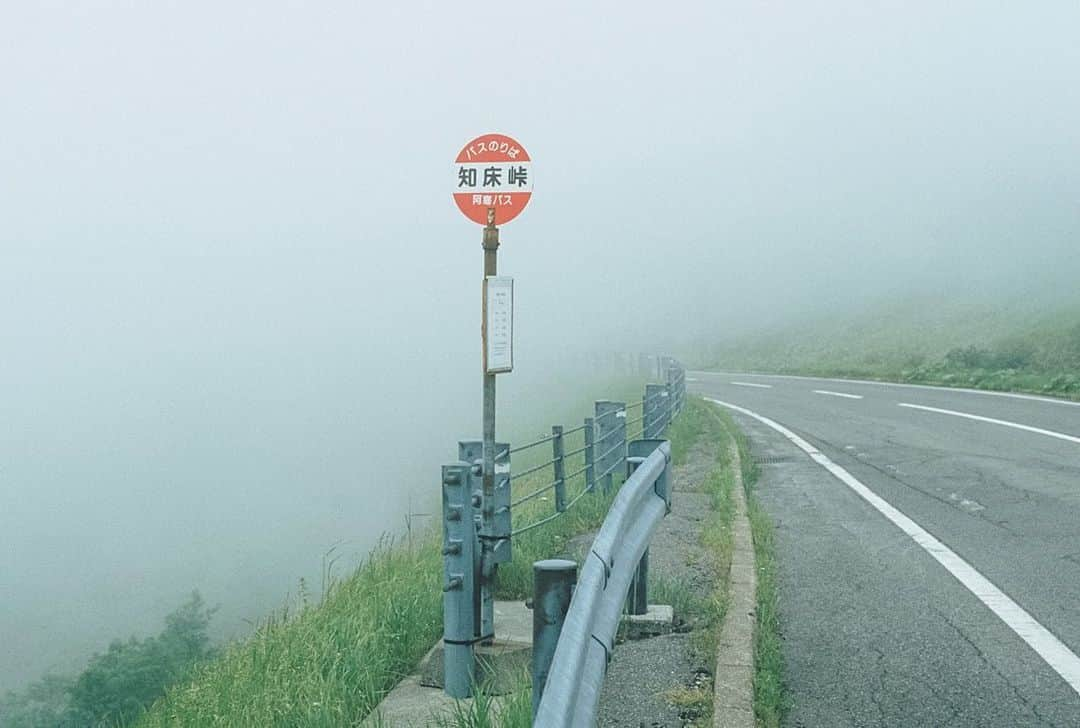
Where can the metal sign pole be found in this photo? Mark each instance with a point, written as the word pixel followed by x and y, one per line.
pixel 487 513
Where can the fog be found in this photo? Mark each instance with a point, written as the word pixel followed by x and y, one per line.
pixel 239 317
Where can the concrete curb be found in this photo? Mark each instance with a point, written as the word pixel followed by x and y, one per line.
pixel 733 683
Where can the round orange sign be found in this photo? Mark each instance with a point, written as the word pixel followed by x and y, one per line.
pixel 492 172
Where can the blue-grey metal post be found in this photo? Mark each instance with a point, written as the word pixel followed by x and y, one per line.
pixel 654 414
pixel 590 454
pixel 461 585
pixel 610 438
pixel 559 469
pixel 493 532
pixel 553 585
pixel 637 596
pixel 677 383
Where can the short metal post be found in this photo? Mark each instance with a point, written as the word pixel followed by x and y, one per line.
pixel 559 469
pixel 637 596
pixel 461 583
pixel 553 585
pixel 590 454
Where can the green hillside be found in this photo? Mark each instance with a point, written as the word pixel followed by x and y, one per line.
pixel 1020 345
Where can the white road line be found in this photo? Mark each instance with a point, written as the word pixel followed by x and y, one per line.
pixel 838 394
pixel 991 420
pixel 1059 657
pixel 751 384
pixel 932 388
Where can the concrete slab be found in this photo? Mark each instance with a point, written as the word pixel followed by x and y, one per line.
pixel 499 666
pixel 733 681
pixel 412 704
pixel 658 619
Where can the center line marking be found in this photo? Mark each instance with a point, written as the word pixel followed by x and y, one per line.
pixel 1057 655
pixel 751 384
pixel 991 420
pixel 838 394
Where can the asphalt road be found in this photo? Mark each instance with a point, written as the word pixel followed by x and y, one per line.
pixel 964 613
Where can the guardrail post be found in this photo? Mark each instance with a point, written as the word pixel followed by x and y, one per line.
pixel 495 541
pixel 654 414
pixel 559 469
pixel 553 585
pixel 590 454
pixel 637 596
pixel 611 432
pixel 461 597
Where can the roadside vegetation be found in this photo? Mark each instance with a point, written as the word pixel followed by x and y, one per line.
pixel 698 422
pixel 770 701
pixel 994 346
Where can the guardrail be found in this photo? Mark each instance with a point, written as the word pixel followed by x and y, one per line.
pixel 583 459
pixel 584 630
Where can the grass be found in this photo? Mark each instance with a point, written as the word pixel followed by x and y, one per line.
pixel 771 703
pixel 485 711
pixel 327 664
pixel 330 663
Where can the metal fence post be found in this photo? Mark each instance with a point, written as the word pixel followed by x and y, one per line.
pixel 461 559
pixel 611 432
pixel 553 585
pixel 495 539
pixel 559 468
pixel 654 419
pixel 675 383
pixel 590 454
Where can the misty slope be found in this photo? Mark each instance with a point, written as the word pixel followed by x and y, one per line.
pixel 1020 344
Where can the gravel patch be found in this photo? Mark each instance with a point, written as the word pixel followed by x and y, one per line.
pixel 643 671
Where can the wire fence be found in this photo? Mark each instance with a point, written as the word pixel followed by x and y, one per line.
pixel 581 464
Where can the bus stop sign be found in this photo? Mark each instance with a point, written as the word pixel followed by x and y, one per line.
pixel 492 172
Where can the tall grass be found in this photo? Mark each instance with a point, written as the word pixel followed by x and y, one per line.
pixel 327 664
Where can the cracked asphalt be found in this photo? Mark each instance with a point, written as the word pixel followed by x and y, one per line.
pixel 875 631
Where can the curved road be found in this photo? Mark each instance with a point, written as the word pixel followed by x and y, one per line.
pixel 929 549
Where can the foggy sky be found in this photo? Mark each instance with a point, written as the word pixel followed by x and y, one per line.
pixel 238 308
